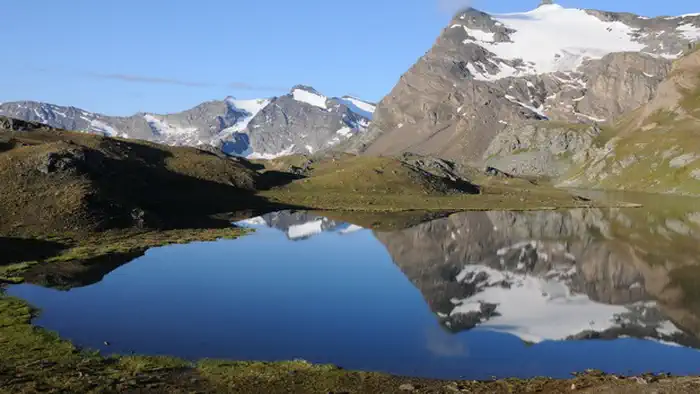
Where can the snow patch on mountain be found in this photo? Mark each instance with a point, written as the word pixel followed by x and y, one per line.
pixel 173 134
pixel 162 127
pixel 249 107
pixel 690 31
pixel 103 128
pixel 351 229
pixel 540 308
pixel 269 156
pixel 539 110
pixel 536 309
pixel 552 38
pixel 256 221
pixel 311 98
pixel 345 131
pixel 359 107
pixel 305 230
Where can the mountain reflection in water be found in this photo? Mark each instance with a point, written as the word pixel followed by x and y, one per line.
pixel 508 295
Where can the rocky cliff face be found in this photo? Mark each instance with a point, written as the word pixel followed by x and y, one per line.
pixel 590 273
pixel 489 74
pixel 303 121
pixel 542 149
pixel 655 148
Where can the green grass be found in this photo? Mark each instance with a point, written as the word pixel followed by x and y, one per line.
pixel 369 175
pixel 652 172
pixel 82 251
pixel 330 201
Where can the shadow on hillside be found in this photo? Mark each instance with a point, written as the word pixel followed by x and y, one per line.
pixel 6 145
pixel 138 189
pixel 73 274
pixel 17 250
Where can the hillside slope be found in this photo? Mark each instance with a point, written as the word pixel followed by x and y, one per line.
pixel 63 181
pixel 656 148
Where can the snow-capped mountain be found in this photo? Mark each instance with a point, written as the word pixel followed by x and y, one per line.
pixel 300 225
pixel 488 73
pixel 303 121
pixel 544 276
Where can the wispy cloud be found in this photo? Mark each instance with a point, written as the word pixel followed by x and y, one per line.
pixel 155 80
pixel 146 79
pixel 133 78
pixel 247 86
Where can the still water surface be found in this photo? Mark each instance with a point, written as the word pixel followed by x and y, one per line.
pixel 473 295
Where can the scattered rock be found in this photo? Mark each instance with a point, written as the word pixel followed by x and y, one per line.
pixel 539 148
pixel 68 160
pixel 695 174
pixel 407 387
pixel 138 217
pixel 493 171
pixel 683 160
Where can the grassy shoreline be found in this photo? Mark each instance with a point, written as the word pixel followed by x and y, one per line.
pixel 70 252
pixel 35 360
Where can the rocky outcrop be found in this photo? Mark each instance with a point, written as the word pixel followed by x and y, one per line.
pixel 620 83
pixel 539 149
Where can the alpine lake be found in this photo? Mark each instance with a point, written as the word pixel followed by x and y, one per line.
pixel 472 295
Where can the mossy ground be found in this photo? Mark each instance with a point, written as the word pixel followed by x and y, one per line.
pixel 647 160
pixel 73 253
pixel 368 184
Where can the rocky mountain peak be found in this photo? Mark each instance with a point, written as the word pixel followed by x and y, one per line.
pixel 472 18
pixel 305 88
pixel 493 73
pixel 302 122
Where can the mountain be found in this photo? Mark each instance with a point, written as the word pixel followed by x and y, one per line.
pixel 574 274
pixel 303 121
pixel 300 225
pixel 557 72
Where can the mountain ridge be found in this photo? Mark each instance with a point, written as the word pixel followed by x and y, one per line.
pixel 223 123
pixel 486 73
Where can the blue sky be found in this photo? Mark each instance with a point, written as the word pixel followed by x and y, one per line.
pixel 121 57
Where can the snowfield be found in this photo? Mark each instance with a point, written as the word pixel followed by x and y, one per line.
pixel 359 107
pixel 552 38
pixel 307 97
pixel 538 309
